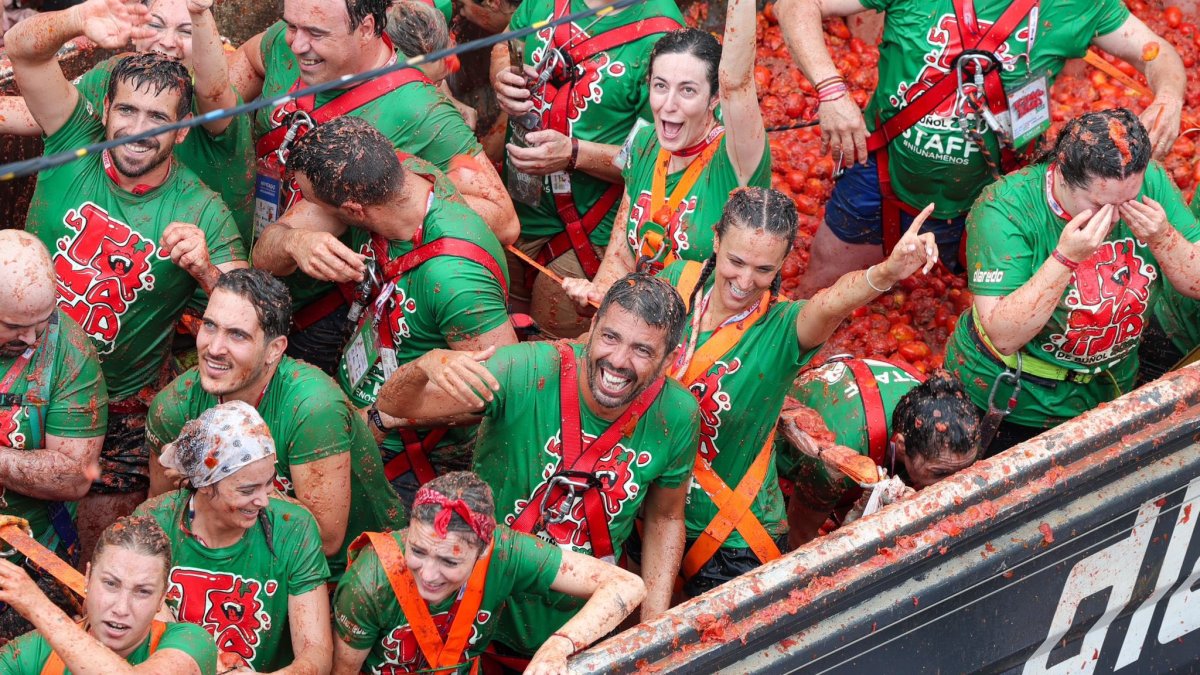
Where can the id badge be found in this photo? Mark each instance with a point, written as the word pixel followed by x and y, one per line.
pixel 560 183
pixel 363 351
pixel 268 196
pixel 1029 109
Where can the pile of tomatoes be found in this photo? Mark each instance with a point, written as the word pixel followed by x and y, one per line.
pixel 912 322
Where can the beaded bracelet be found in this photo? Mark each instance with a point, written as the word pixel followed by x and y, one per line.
pixel 1064 260
pixel 832 93
pixel 829 80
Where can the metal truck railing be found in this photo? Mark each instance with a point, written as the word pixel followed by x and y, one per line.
pixel 1073 552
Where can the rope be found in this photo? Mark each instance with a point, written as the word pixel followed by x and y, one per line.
pixel 31 166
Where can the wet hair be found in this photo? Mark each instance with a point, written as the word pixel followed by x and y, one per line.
pixel 937 418
pixel 700 44
pixel 140 534
pixel 1107 144
pixel 348 159
pixel 417 28
pixel 462 485
pixel 359 10
pixel 761 209
pixel 652 300
pixel 270 298
pixel 157 73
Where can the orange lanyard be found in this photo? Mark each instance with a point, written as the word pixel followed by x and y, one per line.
pixel 695 362
pixel 662 207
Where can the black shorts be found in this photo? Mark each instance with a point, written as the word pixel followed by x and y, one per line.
pixel 321 343
pixel 124 459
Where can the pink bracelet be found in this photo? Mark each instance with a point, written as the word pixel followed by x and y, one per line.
pixel 1064 260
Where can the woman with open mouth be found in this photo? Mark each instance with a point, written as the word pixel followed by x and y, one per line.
pixel 681 170
pixel 126 582
pixel 247 563
pixel 741 348
pixel 427 599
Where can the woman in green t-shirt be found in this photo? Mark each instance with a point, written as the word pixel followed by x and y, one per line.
pixel 679 173
pixel 247 564
pixel 919 431
pixel 741 348
pixel 126 582
pixel 452 571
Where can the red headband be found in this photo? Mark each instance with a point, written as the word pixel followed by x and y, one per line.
pixel 481 524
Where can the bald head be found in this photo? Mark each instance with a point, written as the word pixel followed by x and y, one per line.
pixel 27 291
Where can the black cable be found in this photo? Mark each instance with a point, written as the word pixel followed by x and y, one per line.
pixel 31 166
pixel 798 125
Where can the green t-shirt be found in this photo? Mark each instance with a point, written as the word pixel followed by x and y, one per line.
pixel 1179 317
pixel 416 118
pixel 27 655
pixel 1097 325
pixel 740 398
pixel 447 299
pixel 833 391
pixel 63 395
pixel 224 162
pixel 366 613
pixel 113 278
pixel 519 448
pixel 240 593
pixel 692 237
pixel 933 161
pixel 605 103
pixel 309 419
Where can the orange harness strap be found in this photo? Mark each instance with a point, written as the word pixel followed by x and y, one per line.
pixel 442 655
pixel 733 512
pixel 55 666
pixel 733 506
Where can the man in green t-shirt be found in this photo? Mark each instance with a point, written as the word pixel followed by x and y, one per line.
pixel 324 449
pixel 221 151
pixel 318 41
pixel 933 158
pixel 440 273
pixel 1066 261
pixel 562 173
pixel 53 408
pixel 132 232
pixel 576 439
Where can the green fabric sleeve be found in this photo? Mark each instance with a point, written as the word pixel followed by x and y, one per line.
pixel 194 641
pixel 307 567
pixel 82 128
pixel 323 430
pixel 79 400
pixel 360 606
pixel 467 299
pixel 537 563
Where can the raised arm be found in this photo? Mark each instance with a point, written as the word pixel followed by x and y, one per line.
pixel 1164 72
pixel 1013 320
pixel 842 125
pixel 305 238
pixel 31 45
pixel 612 594
pixel 246 69
pixel 80 652
pixel 213 90
pixel 440 383
pixel 745 136
pixel 821 315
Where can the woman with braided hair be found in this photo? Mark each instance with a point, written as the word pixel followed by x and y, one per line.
pixel 426 599
pixel 742 347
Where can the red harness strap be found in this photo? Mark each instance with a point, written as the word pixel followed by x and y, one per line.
pixel 872 402
pixel 582 460
pixel 415 457
pixel 946 86
pixel 577 228
pixel 449 246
